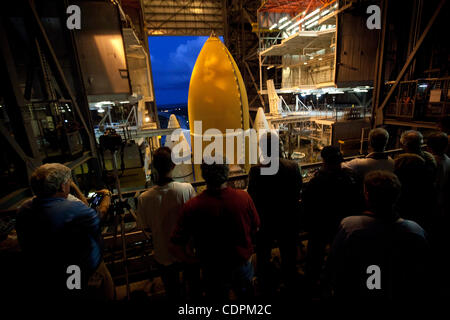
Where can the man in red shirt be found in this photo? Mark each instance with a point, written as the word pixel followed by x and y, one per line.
pixel 221 222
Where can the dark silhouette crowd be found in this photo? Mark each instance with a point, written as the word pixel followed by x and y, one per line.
pixel 375 226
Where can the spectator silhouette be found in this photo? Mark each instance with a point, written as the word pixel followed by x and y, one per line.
pixel 331 195
pixel 221 223
pixel 377 159
pixel 380 238
pixel 158 211
pixel 276 198
pixel 412 142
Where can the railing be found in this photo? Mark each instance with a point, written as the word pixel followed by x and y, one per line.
pixel 307 170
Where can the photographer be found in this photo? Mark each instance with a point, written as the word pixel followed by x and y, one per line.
pixel 55 233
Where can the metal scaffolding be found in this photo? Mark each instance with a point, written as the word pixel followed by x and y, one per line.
pixel 184 18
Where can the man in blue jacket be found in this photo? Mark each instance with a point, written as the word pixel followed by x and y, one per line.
pixel 56 234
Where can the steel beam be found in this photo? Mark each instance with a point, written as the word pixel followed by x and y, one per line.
pixel 379 66
pixel 254 84
pixel 407 63
pixel 23 133
pixel 60 74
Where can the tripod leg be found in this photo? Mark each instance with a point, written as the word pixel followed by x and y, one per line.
pixel 114 246
pixel 124 253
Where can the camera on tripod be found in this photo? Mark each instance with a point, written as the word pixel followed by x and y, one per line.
pixel 111 140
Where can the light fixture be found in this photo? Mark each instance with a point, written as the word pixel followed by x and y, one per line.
pixel 311 20
pixel 273 26
pixel 100 110
pixel 285 25
pixel 312 13
pixel 282 20
pixel 147 119
pixel 295 24
pixel 311 25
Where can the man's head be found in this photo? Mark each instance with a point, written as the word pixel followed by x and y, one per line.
pixel 438 143
pixel 378 139
pixel 162 162
pixel 381 189
pixel 331 156
pixel 412 141
pixel 215 174
pixel 51 180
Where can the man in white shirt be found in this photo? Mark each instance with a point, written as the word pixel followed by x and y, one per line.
pixel 158 210
pixel 377 159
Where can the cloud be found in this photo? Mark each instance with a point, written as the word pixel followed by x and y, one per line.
pixel 172 72
pixel 186 54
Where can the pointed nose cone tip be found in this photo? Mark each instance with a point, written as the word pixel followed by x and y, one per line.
pixel 173 122
pixel 260 120
pixel 217 94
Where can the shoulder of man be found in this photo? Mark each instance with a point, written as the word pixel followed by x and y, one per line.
pixel 78 207
pixel 242 194
pixel 428 157
pixel 354 223
pixel 354 163
pixel 412 227
pixel 147 192
pixel 182 185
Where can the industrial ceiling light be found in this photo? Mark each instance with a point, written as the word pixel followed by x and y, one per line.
pixel 311 25
pixel 273 26
pixel 312 20
pixel 282 20
pixel 295 24
pixel 285 25
pixel 312 14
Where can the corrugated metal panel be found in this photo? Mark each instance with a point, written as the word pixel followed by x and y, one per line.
pixel 180 18
pixel 101 52
pixel 356 52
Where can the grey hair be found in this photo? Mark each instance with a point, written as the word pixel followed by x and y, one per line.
pixel 48 178
pixel 412 140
